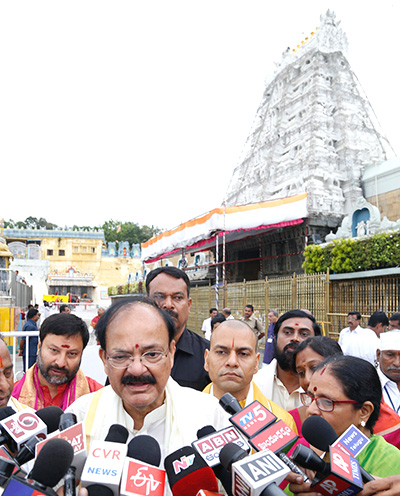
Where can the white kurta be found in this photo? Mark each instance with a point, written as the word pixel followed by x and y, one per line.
pixel 273 388
pixel 174 424
pixel 361 343
pixel 390 391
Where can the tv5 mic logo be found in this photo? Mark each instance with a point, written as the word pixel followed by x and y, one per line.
pixel 253 419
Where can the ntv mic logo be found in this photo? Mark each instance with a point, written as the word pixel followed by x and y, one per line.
pixel 185 462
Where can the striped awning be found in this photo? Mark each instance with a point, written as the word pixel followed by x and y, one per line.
pixel 236 222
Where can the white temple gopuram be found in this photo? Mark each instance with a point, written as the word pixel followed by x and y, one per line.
pixel 314 132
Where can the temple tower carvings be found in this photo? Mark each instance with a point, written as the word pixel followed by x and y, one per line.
pixel 314 130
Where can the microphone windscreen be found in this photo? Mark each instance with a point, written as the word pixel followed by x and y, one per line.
pixel 50 416
pixel 99 490
pixel 6 469
pixel 145 449
pixel 5 412
pixel 192 483
pixel 230 404
pixel 67 420
pixel 231 453
pixel 117 434
pixel 205 431
pixel 188 473
pixel 318 432
pixel 52 462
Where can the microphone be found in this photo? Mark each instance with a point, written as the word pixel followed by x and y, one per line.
pixel 67 420
pixel 50 467
pixel 141 474
pixel 70 482
pixel 230 404
pixel 105 460
pixel 265 431
pixel 210 442
pixel 20 427
pixel 74 433
pixel 306 457
pixel 117 434
pixel 254 475
pixel 188 473
pixel 146 449
pixel 278 438
pixel 341 476
pixel 50 416
pixel 209 445
pixel 98 490
pixel 207 493
pixel 320 434
pixel 7 467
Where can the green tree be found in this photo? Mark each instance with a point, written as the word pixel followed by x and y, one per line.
pixel 129 231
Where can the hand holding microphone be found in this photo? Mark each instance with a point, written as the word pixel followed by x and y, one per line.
pixel 50 467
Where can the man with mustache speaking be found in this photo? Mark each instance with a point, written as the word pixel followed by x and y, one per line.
pixel 277 380
pixel 137 348
pixel 55 378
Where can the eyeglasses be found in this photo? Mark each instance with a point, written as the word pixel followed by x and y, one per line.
pixel 324 404
pixel 123 360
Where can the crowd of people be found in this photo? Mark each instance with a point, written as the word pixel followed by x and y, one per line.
pixel 165 380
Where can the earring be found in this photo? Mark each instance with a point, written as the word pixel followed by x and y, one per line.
pixel 363 423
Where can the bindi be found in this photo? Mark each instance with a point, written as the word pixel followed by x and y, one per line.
pixel 315 389
pixel 233 343
pixel 1 363
pixel 65 346
pixel 136 346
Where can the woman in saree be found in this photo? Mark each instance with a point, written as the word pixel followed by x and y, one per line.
pixel 346 391
pixel 313 351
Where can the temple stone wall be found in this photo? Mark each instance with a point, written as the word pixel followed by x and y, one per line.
pixel 388 204
pixel 271 254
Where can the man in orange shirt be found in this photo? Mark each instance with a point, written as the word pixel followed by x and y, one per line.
pixel 56 378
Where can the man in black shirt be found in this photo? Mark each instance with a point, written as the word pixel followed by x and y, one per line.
pixel 170 288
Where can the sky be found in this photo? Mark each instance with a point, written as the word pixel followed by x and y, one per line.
pixel 138 110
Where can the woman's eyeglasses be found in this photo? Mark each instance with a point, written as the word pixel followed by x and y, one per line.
pixel 324 404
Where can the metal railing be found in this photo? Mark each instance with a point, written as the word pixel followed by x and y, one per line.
pixel 329 300
pixel 13 337
pixel 13 292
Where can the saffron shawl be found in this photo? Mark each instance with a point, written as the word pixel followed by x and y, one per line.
pixel 29 392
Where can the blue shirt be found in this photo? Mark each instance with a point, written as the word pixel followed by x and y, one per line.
pixel 269 344
pixel 33 340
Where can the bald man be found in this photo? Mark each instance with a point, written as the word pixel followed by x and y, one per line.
pixel 231 363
